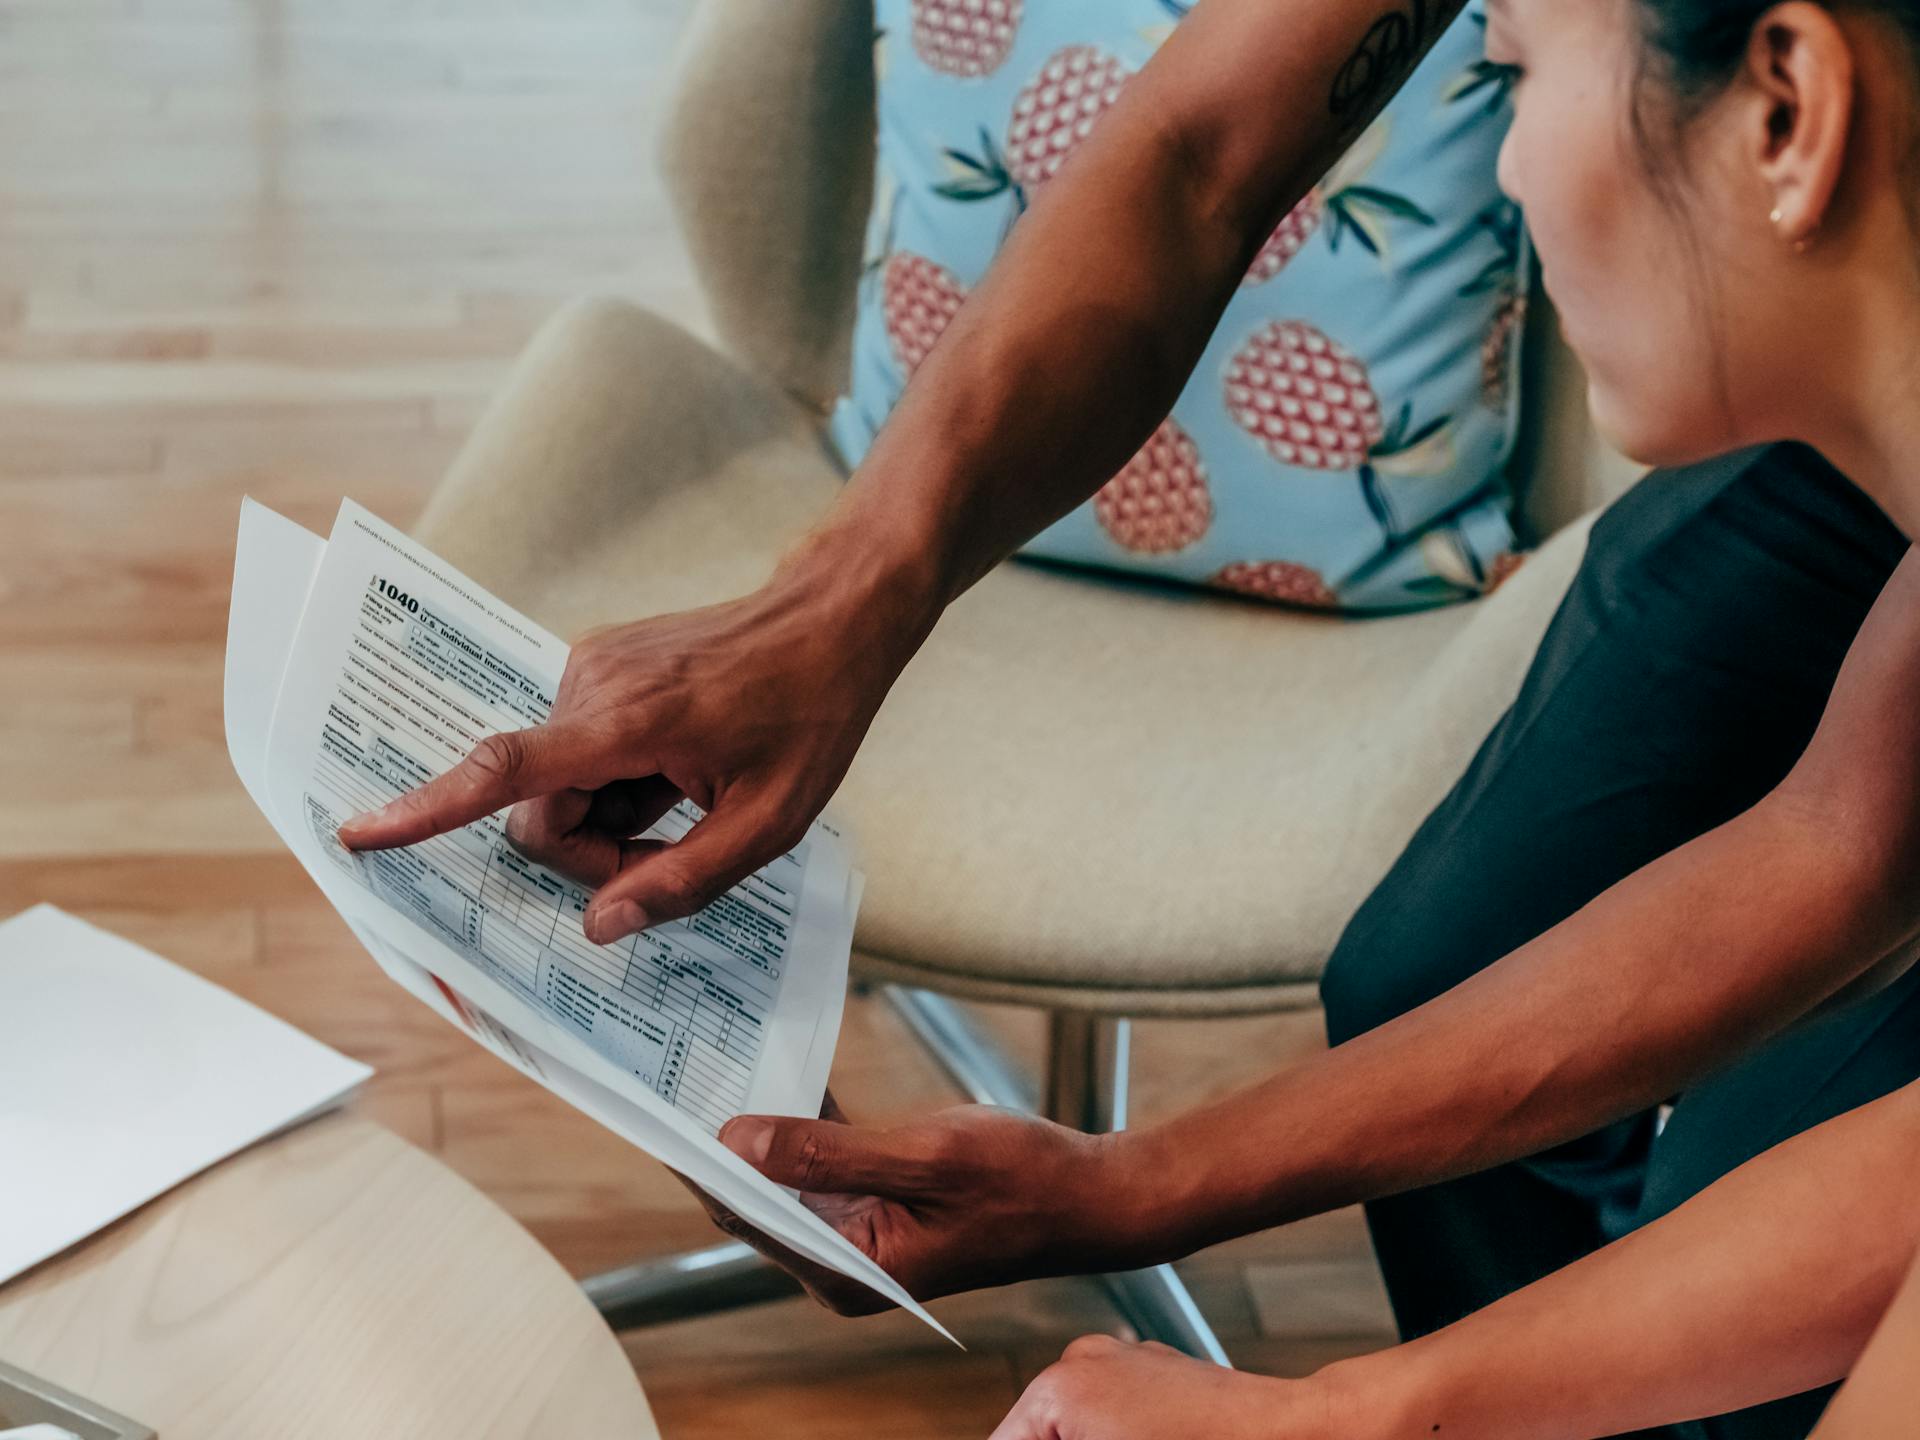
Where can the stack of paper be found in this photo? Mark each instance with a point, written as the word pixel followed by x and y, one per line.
pixel 359 667
pixel 124 1075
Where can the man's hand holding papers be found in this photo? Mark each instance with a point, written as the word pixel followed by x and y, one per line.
pixel 752 710
pixel 361 668
pixel 970 1197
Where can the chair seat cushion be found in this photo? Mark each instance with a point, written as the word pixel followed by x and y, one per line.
pixel 1092 792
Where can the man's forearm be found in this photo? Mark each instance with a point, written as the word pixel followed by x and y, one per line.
pixel 1767 1284
pixel 1673 971
pixel 1060 365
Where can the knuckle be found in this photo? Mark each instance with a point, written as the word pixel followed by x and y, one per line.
pixel 1089 1347
pixel 587 666
pixel 812 1160
pixel 676 890
pixel 593 660
pixel 498 758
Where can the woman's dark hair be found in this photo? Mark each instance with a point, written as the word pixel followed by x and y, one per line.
pixel 1698 45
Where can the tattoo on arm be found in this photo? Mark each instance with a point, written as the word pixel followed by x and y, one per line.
pixel 1385 56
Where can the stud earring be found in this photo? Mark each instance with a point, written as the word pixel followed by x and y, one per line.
pixel 1800 246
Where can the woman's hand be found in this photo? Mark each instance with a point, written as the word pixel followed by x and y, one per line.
pixel 1107 1389
pixel 967 1198
pixel 752 710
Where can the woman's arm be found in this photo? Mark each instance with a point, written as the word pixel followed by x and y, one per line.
pixel 1766 1284
pixel 1878 1400
pixel 1692 960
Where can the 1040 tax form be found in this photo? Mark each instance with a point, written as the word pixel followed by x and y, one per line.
pixel 359 667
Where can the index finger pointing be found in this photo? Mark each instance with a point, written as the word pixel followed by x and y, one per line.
pixel 501 771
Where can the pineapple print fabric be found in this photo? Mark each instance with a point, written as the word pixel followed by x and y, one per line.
pixel 1343 441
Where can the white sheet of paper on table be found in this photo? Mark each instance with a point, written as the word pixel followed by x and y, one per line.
pixel 122 1075
pixel 358 664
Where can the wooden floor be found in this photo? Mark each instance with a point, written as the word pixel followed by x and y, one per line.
pixel 287 248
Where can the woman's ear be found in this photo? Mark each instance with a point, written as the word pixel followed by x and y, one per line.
pixel 1800 66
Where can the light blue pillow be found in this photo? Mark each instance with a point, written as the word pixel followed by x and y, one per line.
pixel 1343 441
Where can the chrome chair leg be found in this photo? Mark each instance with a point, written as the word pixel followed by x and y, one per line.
pixel 962 1047
pixel 1158 1305
pixel 1089 1061
pixel 679 1287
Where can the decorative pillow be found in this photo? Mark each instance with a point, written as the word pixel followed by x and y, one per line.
pixel 1343 440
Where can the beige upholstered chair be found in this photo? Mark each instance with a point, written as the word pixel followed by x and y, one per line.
pixel 1102 798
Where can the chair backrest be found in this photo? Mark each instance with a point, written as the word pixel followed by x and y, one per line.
pixel 767 153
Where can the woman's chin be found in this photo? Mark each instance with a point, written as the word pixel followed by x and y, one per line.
pixel 1648 436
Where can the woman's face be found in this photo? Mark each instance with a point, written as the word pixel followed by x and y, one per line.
pixel 1675 375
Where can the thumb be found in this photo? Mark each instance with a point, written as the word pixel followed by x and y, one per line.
pixel 669 882
pixel 825 1158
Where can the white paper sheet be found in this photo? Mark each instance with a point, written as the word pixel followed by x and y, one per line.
pixel 386 667
pixel 122 1075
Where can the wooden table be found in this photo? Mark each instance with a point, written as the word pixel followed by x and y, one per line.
pixel 334 1282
